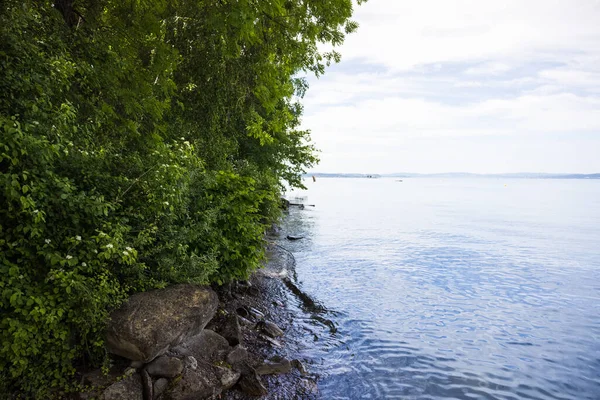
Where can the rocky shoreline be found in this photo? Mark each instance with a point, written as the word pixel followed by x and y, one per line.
pixel 191 342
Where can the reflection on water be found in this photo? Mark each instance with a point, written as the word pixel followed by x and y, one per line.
pixel 463 289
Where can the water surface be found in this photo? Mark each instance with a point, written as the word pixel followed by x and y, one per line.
pixel 451 288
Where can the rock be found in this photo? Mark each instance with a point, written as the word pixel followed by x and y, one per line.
pixel 270 340
pixel 272 368
pixel 152 322
pixel 300 367
pixel 94 383
pixel 129 371
pixel 230 330
pixel 205 382
pixel 269 328
pixel 254 292
pixel 165 366
pixel 136 364
pixel 208 346
pixel 147 388
pixel 291 237
pixel 159 387
pixel 236 356
pixel 247 312
pixel 244 321
pixel 191 362
pixel 129 388
pixel 309 388
pixel 243 312
pixel 252 385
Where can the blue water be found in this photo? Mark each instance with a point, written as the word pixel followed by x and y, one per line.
pixel 451 288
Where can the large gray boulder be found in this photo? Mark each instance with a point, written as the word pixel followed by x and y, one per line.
pixel 152 322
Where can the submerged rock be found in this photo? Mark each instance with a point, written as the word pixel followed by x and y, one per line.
pixel 152 322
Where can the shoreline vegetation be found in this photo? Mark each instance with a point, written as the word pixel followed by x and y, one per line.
pixel 522 175
pixel 142 145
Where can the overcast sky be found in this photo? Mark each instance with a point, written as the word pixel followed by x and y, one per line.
pixel 484 86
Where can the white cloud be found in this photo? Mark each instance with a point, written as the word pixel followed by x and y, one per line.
pixel 402 35
pixel 490 68
pixel 463 85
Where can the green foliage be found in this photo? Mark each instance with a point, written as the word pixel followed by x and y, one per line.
pixel 141 144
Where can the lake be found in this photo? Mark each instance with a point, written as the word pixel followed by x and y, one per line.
pixel 478 288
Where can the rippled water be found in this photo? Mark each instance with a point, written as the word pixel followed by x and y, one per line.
pixel 456 288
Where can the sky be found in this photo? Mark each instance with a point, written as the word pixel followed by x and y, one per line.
pixel 482 86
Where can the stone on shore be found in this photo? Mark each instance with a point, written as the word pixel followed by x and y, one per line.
pixel 282 366
pixel 207 381
pixel 208 346
pixel 129 388
pixel 231 330
pixel 251 384
pixel 152 322
pixel 165 367
pixel 270 328
pixel 238 355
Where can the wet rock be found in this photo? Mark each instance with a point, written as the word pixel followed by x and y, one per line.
pixel 291 237
pixel 270 329
pixel 147 388
pixel 204 382
pixel 308 388
pixel 208 346
pixel 129 388
pixel 152 322
pixel 236 356
pixel 243 312
pixel 300 367
pixel 250 312
pixel 165 366
pixel 243 321
pixel 252 291
pixel 159 387
pixel 252 385
pixel 270 340
pixel 272 368
pixel 230 330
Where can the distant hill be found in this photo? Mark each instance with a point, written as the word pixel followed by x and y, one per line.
pixel 520 175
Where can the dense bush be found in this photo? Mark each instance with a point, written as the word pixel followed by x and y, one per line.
pixel 141 144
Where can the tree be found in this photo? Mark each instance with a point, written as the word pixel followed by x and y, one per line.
pixel 141 144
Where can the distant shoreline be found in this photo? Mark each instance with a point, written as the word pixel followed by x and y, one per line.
pixel 456 175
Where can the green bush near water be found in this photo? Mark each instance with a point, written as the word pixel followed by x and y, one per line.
pixel 142 143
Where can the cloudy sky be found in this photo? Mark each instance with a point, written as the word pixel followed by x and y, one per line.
pixel 481 86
